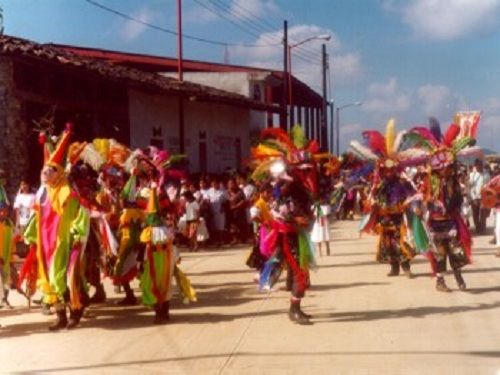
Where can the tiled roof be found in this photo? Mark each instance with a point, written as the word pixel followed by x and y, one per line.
pixel 14 46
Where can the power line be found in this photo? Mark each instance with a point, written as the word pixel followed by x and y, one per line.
pixel 254 25
pixel 248 26
pixel 222 15
pixel 261 20
pixel 241 16
pixel 192 37
pixel 172 32
pixel 254 19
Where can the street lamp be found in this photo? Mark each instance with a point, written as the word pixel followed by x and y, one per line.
pixel 355 104
pixel 290 47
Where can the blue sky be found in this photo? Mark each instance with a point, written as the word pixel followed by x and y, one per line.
pixel 402 59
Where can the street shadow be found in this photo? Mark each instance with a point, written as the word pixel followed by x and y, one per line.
pixel 415 312
pixel 494 289
pixel 345 239
pixel 489 249
pixel 101 367
pixel 464 271
pixel 221 272
pixel 19 310
pixel 121 320
pixel 480 270
pixel 335 254
pixel 354 264
pixel 422 274
pixel 24 329
pixel 342 286
pixel 248 283
pixel 110 316
pixel 483 253
pixel 203 254
pixel 140 317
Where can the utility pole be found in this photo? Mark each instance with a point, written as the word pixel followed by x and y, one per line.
pixel 180 75
pixel 337 130
pixel 332 126
pixel 284 96
pixel 290 87
pixel 323 138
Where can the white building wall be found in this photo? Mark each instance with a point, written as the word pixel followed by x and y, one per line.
pixel 235 82
pixel 155 118
pixel 250 85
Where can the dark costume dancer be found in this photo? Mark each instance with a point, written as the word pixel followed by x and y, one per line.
pixel 450 236
pixel 400 230
pixel 291 163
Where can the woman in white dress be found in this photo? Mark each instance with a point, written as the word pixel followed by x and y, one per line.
pixel 217 198
pixel 320 232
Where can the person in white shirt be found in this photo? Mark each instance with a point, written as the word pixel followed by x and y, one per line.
pixel 250 192
pixel 23 206
pixel 476 183
pixel 192 219
pixel 218 200
pixel 321 228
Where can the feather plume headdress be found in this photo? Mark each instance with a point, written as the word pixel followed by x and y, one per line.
pixel 387 150
pixel 102 155
pixel 280 153
pixel 444 149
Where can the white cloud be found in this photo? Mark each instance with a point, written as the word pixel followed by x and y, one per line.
pixel 306 59
pixel 386 98
pixel 492 105
pixel 447 19
pixel 434 98
pixel 348 129
pixel 490 121
pixel 199 15
pixel 489 129
pixel 242 9
pixel 490 117
pixel 346 68
pixel 132 29
pixel 245 11
pixel 439 101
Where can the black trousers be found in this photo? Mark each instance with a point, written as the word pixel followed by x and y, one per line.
pixel 476 215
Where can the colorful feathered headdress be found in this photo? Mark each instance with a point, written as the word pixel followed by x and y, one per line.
pixel 55 154
pixel 280 153
pixel 456 144
pixel 103 155
pixel 389 150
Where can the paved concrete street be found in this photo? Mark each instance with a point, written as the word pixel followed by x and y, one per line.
pixel 364 322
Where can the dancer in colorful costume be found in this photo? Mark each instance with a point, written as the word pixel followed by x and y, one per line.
pixel 170 168
pixel 450 235
pixel 83 180
pixel 390 197
pixel 160 258
pixel 260 214
pixel 291 162
pixel 107 157
pixel 6 247
pixel 490 198
pixel 131 219
pixel 57 229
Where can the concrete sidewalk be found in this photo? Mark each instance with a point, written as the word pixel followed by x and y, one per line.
pixel 364 322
